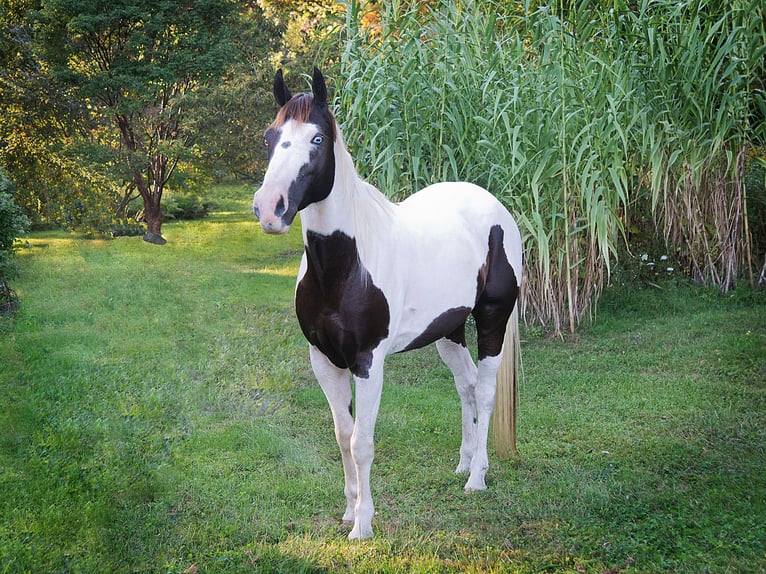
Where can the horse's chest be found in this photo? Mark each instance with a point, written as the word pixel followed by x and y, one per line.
pixel 340 310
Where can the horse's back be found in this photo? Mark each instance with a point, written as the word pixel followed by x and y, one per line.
pixel 464 211
pixel 459 199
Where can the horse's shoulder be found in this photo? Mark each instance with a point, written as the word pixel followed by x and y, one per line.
pixel 340 309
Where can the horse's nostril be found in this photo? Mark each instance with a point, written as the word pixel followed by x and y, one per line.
pixel 257 212
pixel 279 210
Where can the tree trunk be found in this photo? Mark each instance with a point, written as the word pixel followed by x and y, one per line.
pixel 153 218
pixel 152 211
pixel 151 195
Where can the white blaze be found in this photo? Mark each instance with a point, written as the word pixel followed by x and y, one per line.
pixel 292 151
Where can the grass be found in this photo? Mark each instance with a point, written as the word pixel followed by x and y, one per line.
pixel 158 414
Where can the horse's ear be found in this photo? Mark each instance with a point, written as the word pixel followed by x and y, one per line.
pixel 319 88
pixel 281 93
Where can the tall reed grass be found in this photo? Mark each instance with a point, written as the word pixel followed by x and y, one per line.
pixel 569 116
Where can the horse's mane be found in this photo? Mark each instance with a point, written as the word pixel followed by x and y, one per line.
pixel 372 212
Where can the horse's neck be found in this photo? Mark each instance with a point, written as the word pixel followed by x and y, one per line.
pixel 355 208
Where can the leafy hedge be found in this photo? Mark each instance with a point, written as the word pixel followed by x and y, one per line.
pixel 13 223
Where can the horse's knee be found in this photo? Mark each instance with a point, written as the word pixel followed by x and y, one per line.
pixel 344 442
pixel 362 451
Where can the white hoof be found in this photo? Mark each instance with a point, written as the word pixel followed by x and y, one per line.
pixel 475 485
pixel 358 533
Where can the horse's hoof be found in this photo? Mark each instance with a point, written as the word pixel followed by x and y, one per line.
pixel 470 489
pixel 474 486
pixel 360 534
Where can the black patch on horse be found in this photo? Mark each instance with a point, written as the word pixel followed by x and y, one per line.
pixel 498 290
pixel 340 310
pixel 450 324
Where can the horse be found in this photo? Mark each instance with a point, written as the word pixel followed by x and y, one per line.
pixel 378 277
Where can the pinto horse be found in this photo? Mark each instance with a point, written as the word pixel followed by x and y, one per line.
pixel 378 278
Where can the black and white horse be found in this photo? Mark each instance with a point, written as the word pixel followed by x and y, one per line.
pixel 378 278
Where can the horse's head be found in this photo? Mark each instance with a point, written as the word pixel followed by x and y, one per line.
pixel 301 166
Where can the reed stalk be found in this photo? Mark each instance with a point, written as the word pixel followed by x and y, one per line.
pixel 569 117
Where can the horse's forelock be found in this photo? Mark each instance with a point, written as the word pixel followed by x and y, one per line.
pixel 299 108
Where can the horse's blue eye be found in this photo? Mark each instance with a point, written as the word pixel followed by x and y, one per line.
pixel 318 139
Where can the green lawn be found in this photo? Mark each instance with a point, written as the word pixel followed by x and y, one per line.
pixel 158 414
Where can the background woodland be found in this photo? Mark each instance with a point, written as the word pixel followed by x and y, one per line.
pixel 626 137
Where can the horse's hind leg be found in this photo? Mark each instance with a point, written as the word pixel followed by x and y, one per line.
pixel 458 359
pixel 336 385
pixel 485 403
pixel 492 311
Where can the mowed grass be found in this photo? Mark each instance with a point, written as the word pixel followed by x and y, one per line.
pixel 158 414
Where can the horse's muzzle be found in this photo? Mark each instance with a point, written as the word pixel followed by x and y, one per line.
pixel 274 229
pixel 270 214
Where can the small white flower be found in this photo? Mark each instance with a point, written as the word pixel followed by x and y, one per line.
pixel 645 257
pixel 670 269
pixel 664 258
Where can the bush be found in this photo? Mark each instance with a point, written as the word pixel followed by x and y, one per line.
pixel 13 223
pixel 185 206
pixel 122 227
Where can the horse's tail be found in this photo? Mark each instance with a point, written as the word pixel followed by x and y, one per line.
pixel 506 398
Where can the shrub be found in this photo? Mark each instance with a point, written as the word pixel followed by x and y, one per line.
pixel 13 223
pixel 185 206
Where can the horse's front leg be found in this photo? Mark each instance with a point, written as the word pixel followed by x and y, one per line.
pixel 337 388
pixel 459 361
pixel 368 391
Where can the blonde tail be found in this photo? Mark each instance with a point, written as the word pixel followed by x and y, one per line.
pixel 506 398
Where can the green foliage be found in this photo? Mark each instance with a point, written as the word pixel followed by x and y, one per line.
pixel 755 184
pixel 569 116
pixel 128 227
pixel 186 206
pixel 141 70
pixel 268 35
pixel 641 438
pixel 707 61
pixel 13 224
pixel 107 103
pixel 235 111
pixel 59 180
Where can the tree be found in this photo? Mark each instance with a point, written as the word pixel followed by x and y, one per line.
pixel 242 103
pixel 141 67
pixel 38 127
pixel 268 35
